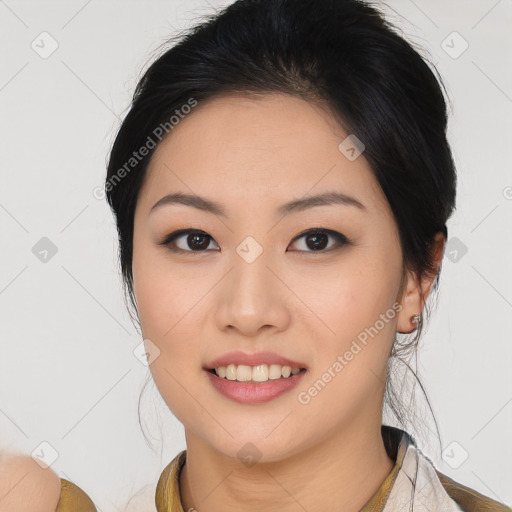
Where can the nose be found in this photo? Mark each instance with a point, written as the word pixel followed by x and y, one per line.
pixel 253 298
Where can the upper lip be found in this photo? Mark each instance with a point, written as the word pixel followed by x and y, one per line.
pixel 238 357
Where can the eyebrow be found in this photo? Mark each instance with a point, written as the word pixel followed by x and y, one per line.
pixel 296 205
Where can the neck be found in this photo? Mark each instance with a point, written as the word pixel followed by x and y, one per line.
pixel 351 464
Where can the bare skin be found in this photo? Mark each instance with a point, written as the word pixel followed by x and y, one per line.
pixel 27 487
pixel 252 155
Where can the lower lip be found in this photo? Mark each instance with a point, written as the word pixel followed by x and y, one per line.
pixel 251 393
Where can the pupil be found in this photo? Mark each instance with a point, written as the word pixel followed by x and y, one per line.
pixel 316 237
pixel 192 238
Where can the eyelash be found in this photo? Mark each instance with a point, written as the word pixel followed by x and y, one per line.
pixel 341 239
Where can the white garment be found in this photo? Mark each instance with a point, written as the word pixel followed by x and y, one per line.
pixel 417 487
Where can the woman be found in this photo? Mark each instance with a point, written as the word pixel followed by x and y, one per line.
pixel 281 187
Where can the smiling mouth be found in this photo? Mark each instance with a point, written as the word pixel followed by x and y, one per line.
pixel 261 374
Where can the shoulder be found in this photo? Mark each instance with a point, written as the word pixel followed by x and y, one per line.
pixel 468 499
pixel 74 499
pixel 25 486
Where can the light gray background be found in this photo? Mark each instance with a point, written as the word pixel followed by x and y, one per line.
pixel 67 372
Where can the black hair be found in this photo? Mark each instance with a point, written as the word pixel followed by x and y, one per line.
pixel 342 53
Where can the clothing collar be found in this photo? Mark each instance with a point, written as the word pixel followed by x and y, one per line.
pixel 397 443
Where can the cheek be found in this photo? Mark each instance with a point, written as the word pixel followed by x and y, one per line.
pixel 167 306
pixel 355 305
pixel 352 342
pixel 166 312
pixel 159 291
pixel 352 297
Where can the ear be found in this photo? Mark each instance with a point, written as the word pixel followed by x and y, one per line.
pixel 415 293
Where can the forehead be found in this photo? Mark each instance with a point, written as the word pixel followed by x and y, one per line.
pixel 258 147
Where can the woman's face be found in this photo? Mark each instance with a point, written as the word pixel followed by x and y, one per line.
pixel 257 283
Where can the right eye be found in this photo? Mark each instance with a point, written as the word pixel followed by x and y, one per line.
pixel 193 241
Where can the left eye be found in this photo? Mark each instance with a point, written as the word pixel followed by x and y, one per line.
pixel 316 240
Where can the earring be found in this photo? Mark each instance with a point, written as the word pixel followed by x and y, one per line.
pixel 416 319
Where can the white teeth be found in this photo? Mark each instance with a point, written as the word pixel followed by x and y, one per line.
pixel 231 372
pixel 260 373
pixel 243 373
pixel 274 371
